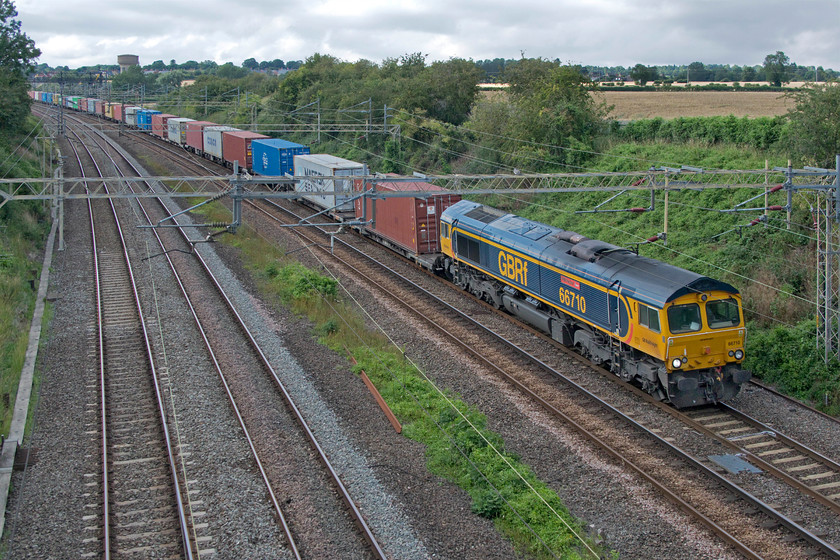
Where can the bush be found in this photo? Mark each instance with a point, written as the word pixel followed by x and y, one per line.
pixel 297 282
pixel 790 359
pixel 760 133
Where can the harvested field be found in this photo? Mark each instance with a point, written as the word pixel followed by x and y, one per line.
pixel 633 105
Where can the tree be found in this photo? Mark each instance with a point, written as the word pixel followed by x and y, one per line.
pixel 17 54
pixel 250 63
pixel 132 77
pixel 552 105
pixel 697 72
pixel 748 74
pixel 17 51
pixel 230 71
pixel 776 68
pixel 642 74
pixel 814 134
pixel 452 89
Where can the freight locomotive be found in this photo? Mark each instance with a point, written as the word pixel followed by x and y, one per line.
pixel 676 334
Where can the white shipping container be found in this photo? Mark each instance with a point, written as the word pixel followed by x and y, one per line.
pixel 176 130
pixel 131 115
pixel 213 140
pixel 313 166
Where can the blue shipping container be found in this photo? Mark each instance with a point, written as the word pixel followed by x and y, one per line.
pixel 144 118
pixel 275 157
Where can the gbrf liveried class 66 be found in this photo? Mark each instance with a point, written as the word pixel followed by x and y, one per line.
pixel 678 335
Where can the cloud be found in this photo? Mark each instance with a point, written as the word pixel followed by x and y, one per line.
pixel 597 32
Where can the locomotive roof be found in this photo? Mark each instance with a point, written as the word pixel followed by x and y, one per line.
pixel 603 263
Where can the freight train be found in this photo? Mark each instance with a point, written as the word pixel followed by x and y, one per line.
pixel 678 335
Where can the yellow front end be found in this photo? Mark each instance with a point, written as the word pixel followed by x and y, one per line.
pixel 704 331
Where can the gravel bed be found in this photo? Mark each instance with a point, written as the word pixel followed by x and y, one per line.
pixel 50 501
pixel 813 430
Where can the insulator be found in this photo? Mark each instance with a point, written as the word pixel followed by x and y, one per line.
pixel 652 239
pixel 637 210
pixel 776 188
pixel 776 207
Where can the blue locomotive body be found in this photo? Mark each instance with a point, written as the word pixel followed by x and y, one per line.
pixel 617 307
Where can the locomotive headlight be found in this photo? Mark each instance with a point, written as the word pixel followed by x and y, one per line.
pixel 676 363
pixel 739 354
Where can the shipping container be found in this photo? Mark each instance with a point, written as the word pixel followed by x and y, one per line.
pixel 236 147
pixel 159 127
pixel 408 223
pixel 177 130
pixel 313 166
pixel 195 135
pixel 91 105
pixel 144 118
pixel 213 145
pixel 98 107
pixel 110 109
pixel 131 114
pixel 275 157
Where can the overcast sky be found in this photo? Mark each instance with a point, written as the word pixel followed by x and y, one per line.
pixel 588 32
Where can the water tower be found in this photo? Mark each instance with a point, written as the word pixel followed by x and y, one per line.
pixel 127 60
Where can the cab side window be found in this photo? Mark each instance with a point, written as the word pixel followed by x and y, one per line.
pixel 649 317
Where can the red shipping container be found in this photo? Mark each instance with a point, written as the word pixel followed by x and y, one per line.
pixel 236 146
pixel 412 223
pixel 159 127
pixel 195 134
pixel 119 112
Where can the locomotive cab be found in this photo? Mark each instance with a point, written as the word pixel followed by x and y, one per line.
pixel 704 348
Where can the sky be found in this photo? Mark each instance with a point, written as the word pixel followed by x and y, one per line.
pixel 586 32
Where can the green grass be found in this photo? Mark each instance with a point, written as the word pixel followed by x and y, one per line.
pixel 23 231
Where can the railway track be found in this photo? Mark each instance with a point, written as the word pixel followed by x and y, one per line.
pixel 141 507
pixel 795 463
pixel 251 399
